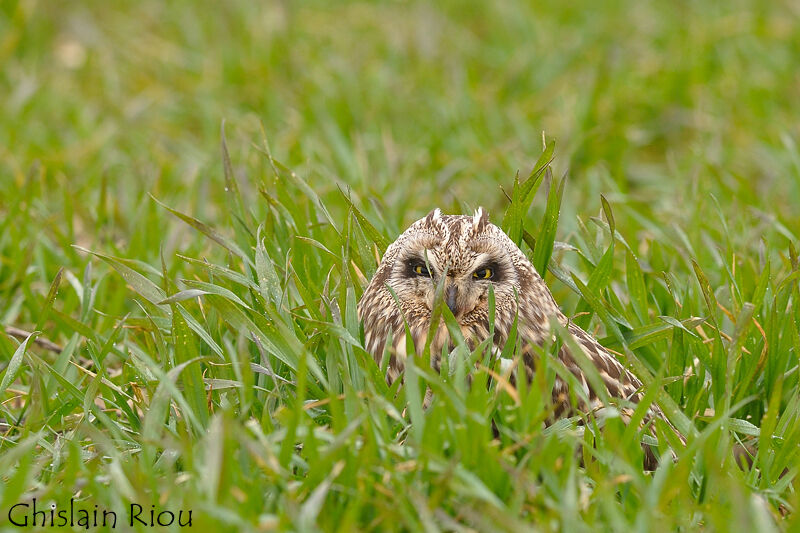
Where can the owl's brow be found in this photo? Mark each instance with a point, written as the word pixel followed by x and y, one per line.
pixel 430 259
pixel 423 257
pixel 484 260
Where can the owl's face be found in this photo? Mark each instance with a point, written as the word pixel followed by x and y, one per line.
pixel 465 254
pixel 469 257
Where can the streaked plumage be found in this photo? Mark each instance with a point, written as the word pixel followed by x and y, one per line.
pixel 469 249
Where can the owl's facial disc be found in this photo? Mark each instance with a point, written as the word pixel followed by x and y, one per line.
pixel 465 283
pixel 467 256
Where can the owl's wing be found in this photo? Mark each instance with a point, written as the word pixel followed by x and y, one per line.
pixel 616 381
pixel 619 386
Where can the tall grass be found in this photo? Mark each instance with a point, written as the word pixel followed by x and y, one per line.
pixel 194 290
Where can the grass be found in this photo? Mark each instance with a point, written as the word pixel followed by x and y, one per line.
pixel 201 298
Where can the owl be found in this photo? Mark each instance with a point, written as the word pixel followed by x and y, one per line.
pixel 466 256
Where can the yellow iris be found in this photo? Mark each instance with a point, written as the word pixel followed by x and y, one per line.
pixel 484 273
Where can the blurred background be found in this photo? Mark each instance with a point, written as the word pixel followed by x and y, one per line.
pixel 684 115
pixel 662 107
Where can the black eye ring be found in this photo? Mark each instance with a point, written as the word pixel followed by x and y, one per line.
pixel 483 273
pixel 421 270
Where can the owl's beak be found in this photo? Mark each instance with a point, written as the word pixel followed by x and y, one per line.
pixel 450 297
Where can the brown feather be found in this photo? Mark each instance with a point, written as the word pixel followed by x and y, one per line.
pixel 453 250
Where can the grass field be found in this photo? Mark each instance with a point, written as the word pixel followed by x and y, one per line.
pixel 196 292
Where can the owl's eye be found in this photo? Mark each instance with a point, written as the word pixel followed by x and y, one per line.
pixel 483 273
pixel 421 270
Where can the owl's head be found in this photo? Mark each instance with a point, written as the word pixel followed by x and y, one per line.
pixel 468 255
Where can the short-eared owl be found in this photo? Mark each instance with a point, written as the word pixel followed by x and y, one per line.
pixel 473 255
